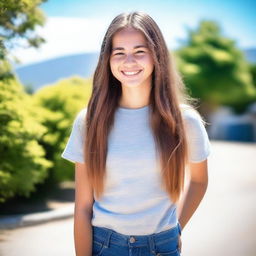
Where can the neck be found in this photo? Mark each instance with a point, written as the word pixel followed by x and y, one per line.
pixel 135 97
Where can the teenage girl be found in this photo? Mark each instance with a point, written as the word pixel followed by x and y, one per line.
pixel 132 146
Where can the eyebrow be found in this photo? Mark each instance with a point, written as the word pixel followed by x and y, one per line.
pixel 135 47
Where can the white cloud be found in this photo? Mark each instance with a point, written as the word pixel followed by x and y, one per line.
pixel 65 36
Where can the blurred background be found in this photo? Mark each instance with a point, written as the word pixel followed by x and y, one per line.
pixel 48 53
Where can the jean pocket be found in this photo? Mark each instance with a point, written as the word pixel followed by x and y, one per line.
pixel 97 248
pixel 168 248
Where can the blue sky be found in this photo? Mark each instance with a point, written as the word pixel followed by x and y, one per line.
pixel 75 26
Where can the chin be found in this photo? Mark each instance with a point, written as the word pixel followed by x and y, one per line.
pixel 131 84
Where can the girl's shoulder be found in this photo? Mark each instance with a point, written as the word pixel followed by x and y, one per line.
pixel 188 111
pixel 82 113
pixel 191 115
pixel 80 118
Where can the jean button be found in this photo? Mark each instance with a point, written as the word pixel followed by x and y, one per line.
pixel 132 239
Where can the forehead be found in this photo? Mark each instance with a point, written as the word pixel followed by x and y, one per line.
pixel 128 37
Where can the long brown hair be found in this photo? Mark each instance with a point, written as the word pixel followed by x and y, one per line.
pixel 167 93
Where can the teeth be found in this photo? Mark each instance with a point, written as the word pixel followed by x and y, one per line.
pixel 131 73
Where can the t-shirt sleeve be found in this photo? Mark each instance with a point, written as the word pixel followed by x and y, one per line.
pixel 75 146
pixel 199 146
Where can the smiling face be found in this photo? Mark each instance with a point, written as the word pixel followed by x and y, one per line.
pixel 131 61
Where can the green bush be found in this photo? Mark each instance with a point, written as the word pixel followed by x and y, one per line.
pixel 61 102
pixel 23 162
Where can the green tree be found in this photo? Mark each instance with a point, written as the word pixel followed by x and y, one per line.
pixel 61 102
pixel 23 162
pixel 214 69
pixel 18 20
pixel 253 73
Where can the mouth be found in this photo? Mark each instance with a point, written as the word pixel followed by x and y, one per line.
pixel 131 73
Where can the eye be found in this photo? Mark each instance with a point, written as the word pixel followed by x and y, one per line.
pixel 118 53
pixel 140 52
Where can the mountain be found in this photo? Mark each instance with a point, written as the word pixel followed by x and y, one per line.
pixel 250 55
pixel 47 72
pixel 41 73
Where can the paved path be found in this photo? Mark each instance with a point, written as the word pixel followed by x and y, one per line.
pixel 48 239
pixel 223 225
pixel 225 222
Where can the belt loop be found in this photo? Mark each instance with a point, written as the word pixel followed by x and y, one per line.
pixel 152 245
pixel 107 239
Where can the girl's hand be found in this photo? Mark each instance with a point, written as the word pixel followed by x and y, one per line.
pixel 179 240
pixel 179 244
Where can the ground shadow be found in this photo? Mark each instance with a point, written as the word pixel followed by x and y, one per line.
pixel 39 200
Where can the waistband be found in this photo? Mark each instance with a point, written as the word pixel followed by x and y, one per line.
pixel 106 235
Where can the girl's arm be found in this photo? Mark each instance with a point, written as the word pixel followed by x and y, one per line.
pixel 194 191
pixel 83 212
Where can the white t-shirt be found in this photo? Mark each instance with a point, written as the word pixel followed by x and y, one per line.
pixel 134 203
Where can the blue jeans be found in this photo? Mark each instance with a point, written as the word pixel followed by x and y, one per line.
pixel 107 242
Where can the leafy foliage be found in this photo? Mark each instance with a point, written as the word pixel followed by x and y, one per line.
pixel 253 73
pixel 214 69
pixel 18 20
pixel 61 102
pixel 23 162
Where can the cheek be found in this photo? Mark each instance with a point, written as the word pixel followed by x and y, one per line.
pixel 149 63
pixel 112 65
pixel 114 68
pixel 147 60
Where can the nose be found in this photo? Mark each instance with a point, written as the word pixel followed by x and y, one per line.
pixel 129 59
